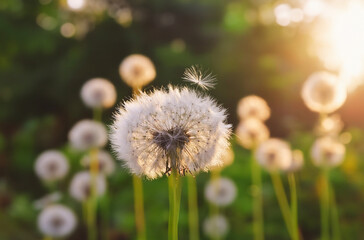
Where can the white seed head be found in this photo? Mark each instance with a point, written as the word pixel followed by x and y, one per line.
pixel 87 134
pixel 327 152
pixel 137 71
pixel 323 92
pixel 220 192
pixel 274 154
pixel 201 78
pixel 227 158
pixel 81 186
pixel 253 107
pixel 216 226
pixel 98 93
pixel 251 132
pixel 51 165
pixel 330 126
pixel 297 161
pixel 152 129
pixel 106 164
pixel 57 221
pixel 47 200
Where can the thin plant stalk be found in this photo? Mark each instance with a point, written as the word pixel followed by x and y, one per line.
pixel 294 214
pixel 139 207
pixel 175 188
pixel 192 208
pixel 282 201
pixel 104 209
pixel 92 200
pixel 334 216
pixel 325 205
pixel 258 218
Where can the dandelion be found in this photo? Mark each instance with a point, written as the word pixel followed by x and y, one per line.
pixel 81 186
pixel 330 126
pixel 323 92
pixel 153 128
pixel 88 134
pixel 227 159
pixel 253 107
pixel 57 221
pixel 220 192
pixel 216 226
pixel 251 132
pixel 274 154
pixel 47 200
pixel 197 76
pixel 105 162
pixel 137 71
pixel 51 165
pixel 98 93
pixel 297 161
pixel 327 152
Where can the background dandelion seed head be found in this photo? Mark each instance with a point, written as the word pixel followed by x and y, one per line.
pixel 51 165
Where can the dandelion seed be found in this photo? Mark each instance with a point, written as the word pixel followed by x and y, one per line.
pixel 251 132
pixel 253 107
pixel 51 165
pixel 106 163
pixel 81 186
pixel 47 200
pixel 220 192
pixel 57 221
pixel 323 92
pixel 216 226
pixel 297 161
pixel 274 154
pixel 179 122
pixel 327 152
pixel 137 71
pixel 87 134
pixel 197 76
pixel 98 93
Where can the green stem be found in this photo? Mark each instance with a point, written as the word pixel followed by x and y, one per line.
pixel 97 114
pixel 91 220
pixel 104 203
pixel 92 200
pixel 175 188
pixel 293 191
pixel 282 200
pixel 192 208
pixel 325 207
pixel 139 207
pixel 258 218
pixel 335 215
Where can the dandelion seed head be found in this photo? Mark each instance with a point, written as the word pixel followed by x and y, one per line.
pixel 227 158
pixel 57 221
pixel 98 93
pixel 297 161
pixel 196 75
pixel 87 134
pixel 80 188
pixel 327 152
pixel 51 165
pixel 253 107
pixel 274 154
pixel 105 161
pixel 251 132
pixel 330 126
pixel 216 226
pixel 47 200
pixel 220 192
pixel 150 130
pixel 323 92
pixel 137 71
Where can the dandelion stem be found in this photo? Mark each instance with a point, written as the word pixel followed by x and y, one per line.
pixel 192 208
pixel 335 215
pixel 97 114
pixel 139 207
pixel 175 188
pixel 294 216
pixel 282 201
pixel 214 210
pixel 258 218
pixel 325 208
pixel 104 203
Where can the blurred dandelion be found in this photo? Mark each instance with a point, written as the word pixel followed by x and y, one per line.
pixel 196 75
pixel 330 126
pixel 253 107
pixel 220 192
pixel 51 165
pixel 297 161
pixel 251 132
pixel 87 134
pixel 105 162
pixel 216 226
pixel 327 152
pixel 81 189
pixel 57 221
pixel 98 93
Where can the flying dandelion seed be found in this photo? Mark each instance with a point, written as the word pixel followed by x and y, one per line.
pixel 274 155
pixel 216 226
pixel 327 152
pixel 253 107
pixel 51 165
pixel 220 192
pixel 98 93
pixel 106 163
pixel 251 132
pixel 201 78
pixel 151 128
pixel 57 221
pixel 80 188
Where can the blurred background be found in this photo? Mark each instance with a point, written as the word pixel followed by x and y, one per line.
pixel 50 48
